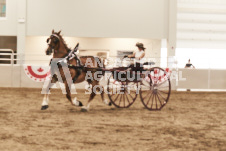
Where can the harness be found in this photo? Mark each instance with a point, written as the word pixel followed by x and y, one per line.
pixel 78 67
pixel 71 55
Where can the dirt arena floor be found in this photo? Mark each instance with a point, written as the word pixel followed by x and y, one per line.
pixel 190 121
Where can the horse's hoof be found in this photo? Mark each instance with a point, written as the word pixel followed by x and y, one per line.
pixel 80 104
pixel 109 103
pixel 44 107
pixel 83 109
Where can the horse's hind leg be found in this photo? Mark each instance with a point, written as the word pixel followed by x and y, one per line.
pixel 105 101
pixel 86 108
pixel 92 95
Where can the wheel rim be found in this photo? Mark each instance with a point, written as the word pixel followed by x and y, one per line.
pixel 155 89
pixel 122 94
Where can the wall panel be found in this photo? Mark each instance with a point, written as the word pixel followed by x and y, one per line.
pixel 99 18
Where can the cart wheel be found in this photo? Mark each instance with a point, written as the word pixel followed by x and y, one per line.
pixel 122 94
pixel 155 89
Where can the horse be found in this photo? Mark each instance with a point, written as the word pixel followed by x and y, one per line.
pixel 59 48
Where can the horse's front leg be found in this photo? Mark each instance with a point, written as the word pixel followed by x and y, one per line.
pixel 68 95
pixel 45 102
pixel 46 91
pixel 77 102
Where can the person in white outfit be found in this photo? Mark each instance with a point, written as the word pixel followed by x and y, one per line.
pixel 138 55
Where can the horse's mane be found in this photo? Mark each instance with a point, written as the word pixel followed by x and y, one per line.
pixel 64 43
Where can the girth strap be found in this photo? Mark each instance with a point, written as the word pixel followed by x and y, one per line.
pixel 78 70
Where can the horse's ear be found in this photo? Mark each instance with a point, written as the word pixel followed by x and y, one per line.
pixel 59 32
pixel 53 31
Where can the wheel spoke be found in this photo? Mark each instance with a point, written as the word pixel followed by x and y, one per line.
pixel 162 83
pixel 163 86
pixel 149 98
pixel 152 101
pixel 116 98
pixel 156 104
pixel 127 99
pixel 131 96
pixel 148 86
pixel 147 95
pixel 159 99
pixel 163 92
pixel 161 96
pixel 134 92
pixel 124 100
pixel 120 99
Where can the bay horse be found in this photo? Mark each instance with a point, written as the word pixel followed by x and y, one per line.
pixel 57 45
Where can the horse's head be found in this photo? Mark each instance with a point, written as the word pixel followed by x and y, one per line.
pixel 54 43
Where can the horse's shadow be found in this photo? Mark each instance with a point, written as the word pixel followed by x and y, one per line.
pixel 97 110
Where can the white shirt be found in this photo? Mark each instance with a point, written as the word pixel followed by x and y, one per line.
pixel 138 54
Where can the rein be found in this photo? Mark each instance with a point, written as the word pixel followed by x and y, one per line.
pixel 71 55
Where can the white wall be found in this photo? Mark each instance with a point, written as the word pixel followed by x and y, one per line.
pixel 201 79
pixel 99 18
pixel 38 45
pixel 8 26
pixel 201 24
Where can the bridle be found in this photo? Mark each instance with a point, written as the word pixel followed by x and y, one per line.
pixel 55 41
pixel 71 53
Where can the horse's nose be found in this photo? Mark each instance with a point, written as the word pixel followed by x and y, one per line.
pixel 48 51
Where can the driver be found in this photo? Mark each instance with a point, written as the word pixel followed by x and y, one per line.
pixel 138 55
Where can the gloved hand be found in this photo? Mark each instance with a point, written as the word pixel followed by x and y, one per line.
pixel 126 56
